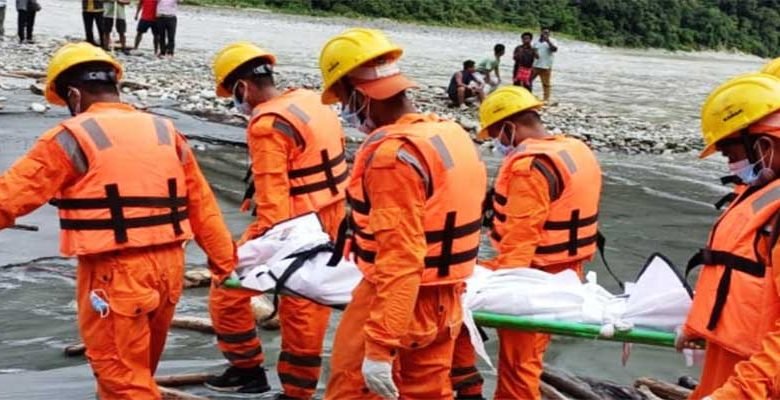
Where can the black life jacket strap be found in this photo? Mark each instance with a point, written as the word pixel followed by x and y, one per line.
pixel 115 203
pixel 728 198
pixel 731 262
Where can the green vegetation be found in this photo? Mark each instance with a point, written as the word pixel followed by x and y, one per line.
pixel 752 26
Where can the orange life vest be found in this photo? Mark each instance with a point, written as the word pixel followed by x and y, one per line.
pixel 571 230
pixel 318 173
pixel 736 303
pixel 133 192
pixel 453 216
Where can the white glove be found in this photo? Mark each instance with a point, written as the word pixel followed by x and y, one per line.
pixel 379 378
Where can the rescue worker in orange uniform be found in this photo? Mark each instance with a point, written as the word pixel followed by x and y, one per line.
pixel 128 230
pixel 545 215
pixel 298 166
pixel 413 230
pixel 736 307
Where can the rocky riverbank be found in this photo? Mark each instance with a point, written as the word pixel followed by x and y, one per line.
pixel 186 84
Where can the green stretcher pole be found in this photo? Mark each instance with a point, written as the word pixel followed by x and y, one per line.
pixel 588 331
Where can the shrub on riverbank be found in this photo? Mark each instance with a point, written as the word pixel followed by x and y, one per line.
pixel 752 26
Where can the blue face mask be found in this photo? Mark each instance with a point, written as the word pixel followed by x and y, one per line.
pixel 745 171
pixel 242 106
pixel 505 149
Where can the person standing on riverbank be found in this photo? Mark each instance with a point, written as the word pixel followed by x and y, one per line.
pixel 147 9
pixel 130 195
pixel 166 26
pixel 736 309
pixel 25 22
pixel 543 64
pixel 414 231
pixel 92 14
pixel 114 16
pixel 465 85
pixel 2 19
pixel 491 66
pixel 545 215
pixel 524 55
pixel 298 166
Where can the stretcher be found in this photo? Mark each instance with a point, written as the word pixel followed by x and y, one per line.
pixel 292 258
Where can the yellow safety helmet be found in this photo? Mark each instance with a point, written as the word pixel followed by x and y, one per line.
pixel 502 103
pixel 233 56
pixel 772 67
pixel 69 56
pixel 349 50
pixel 737 104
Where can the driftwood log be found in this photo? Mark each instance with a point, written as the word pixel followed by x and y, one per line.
pixel 549 392
pixel 182 380
pixel 569 384
pixel 198 324
pixel 612 390
pixel 173 394
pixel 663 389
pixel 196 278
pixel 29 74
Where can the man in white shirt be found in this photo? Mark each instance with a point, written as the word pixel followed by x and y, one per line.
pixel 543 64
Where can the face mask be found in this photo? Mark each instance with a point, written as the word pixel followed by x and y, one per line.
pixel 502 148
pixel 242 106
pixel 368 125
pixel 745 171
pixel 99 304
pixel 74 110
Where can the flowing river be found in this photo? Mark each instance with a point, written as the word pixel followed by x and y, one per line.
pixel 650 203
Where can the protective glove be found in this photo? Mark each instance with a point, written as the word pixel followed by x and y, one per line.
pixel 379 378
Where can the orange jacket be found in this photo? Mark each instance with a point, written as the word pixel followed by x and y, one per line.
pixel 56 162
pixel 125 198
pixel 452 217
pixel 736 302
pixel 574 183
pixel 315 162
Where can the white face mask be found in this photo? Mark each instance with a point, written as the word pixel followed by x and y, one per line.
pixel 502 148
pixel 242 106
pixel 757 172
pixel 351 116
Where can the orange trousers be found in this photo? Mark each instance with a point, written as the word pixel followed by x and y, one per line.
pixel 466 379
pixel 142 287
pixel 422 367
pixel 303 328
pixel 718 367
pixel 521 355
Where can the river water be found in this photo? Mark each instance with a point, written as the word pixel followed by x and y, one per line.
pixel 650 203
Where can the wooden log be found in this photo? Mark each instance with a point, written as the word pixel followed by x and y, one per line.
pixel 196 278
pixel 649 395
pixel 182 380
pixel 664 389
pixel 12 75
pixel 569 384
pixel 263 307
pixel 75 350
pixel 29 74
pixel 173 394
pixel 612 390
pixel 133 85
pixel 551 393
pixel 199 324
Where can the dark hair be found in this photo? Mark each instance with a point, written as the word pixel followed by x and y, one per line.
pixel 251 71
pixel 527 118
pixel 527 34
pixel 94 77
pixel 499 48
pixel 469 64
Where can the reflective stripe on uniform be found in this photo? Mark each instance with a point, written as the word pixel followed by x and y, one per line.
pixel 235 338
pixel 96 133
pixel 303 361
pixel 163 137
pixel 289 379
pixel 247 355
pixel 300 114
pixel 70 146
